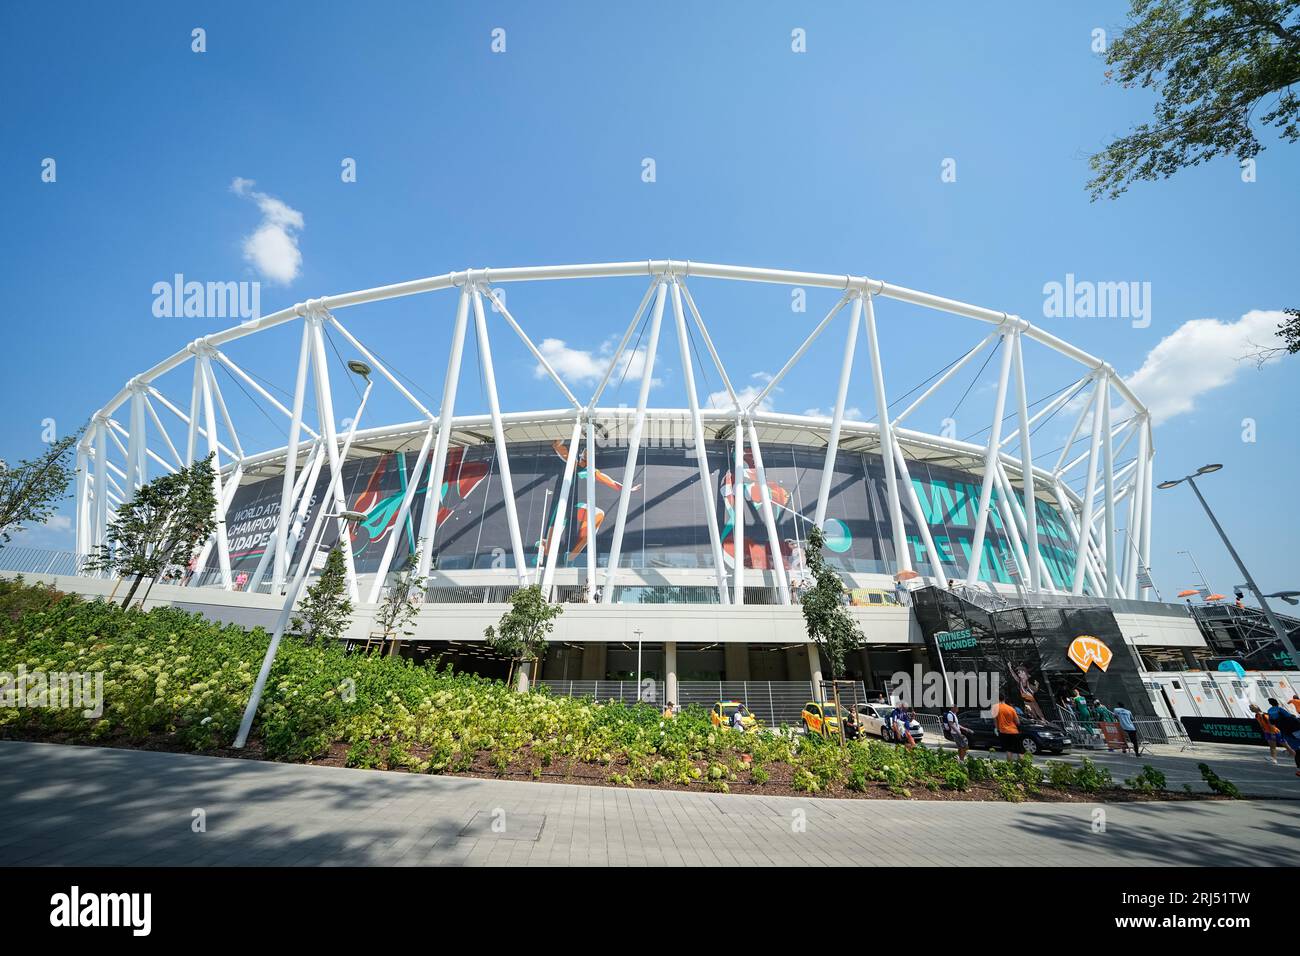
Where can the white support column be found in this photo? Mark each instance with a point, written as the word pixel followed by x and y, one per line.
pixel 325 411
pixel 82 500
pixel 1145 545
pixel 268 553
pixel 412 485
pixel 1006 508
pixel 769 519
pixel 210 423
pixel 1072 525
pixel 1137 513
pixel 914 504
pixel 446 420
pixel 627 337
pixel 701 451
pixel 1099 398
pixel 303 505
pixel 670 672
pixel 499 436
pixel 590 510
pixel 290 463
pixel 206 359
pixel 815 670
pixel 1022 525
pixel 837 417
pixel 738 496
pixel 157 423
pixel 1087 409
pixel 990 462
pixel 902 556
pixel 555 540
pixel 101 482
pixel 1108 490
pixel 1027 472
pixel 195 404
pixel 135 459
pixel 634 445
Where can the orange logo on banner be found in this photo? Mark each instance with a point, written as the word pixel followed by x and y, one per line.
pixel 1087 650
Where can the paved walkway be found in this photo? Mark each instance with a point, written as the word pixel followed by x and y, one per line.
pixel 81 805
pixel 1248 767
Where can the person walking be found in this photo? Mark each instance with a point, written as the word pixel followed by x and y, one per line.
pixel 954 731
pixel 899 719
pixel 1288 725
pixel 1270 732
pixel 669 711
pixel 1127 725
pixel 1007 723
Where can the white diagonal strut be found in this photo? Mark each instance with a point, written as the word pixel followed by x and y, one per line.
pixel 701 450
pixel 633 443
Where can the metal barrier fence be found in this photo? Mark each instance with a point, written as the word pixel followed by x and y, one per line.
pixel 772 702
pixel 1151 730
pixel 41 561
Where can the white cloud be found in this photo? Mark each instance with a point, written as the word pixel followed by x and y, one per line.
pixel 59 523
pixel 272 248
pixel 852 413
pixel 1198 357
pixel 720 399
pixel 580 367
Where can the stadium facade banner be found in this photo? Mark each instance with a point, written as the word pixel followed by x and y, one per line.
pixel 666 519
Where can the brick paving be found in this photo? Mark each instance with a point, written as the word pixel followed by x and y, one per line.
pixel 81 805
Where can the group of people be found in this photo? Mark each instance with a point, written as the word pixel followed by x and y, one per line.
pixel 1088 713
pixel 1280 725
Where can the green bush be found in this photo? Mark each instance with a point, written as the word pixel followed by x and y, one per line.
pixel 175 678
pixel 1148 780
pixel 1091 778
pixel 1221 786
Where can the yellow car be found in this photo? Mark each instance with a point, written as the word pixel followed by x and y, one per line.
pixel 821 718
pixel 721 714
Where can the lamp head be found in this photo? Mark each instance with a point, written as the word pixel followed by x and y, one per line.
pixel 1208 469
pixel 359 368
pixel 1169 484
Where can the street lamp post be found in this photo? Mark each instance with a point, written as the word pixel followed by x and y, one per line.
pixel 294 591
pixel 1278 629
pixel 637 634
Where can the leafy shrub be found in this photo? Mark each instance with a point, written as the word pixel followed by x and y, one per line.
pixel 1221 786
pixel 1060 775
pixel 1148 780
pixel 1090 778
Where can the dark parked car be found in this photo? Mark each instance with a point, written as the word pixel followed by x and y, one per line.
pixel 1037 736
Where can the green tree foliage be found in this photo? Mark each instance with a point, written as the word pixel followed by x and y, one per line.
pixel 325 610
pixel 30 490
pixel 521 632
pixel 1214 65
pixel 159 530
pixel 399 607
pixel 825 616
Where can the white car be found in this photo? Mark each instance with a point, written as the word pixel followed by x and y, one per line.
pixel 874 721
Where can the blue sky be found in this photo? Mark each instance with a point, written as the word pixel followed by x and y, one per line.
pixel 827 160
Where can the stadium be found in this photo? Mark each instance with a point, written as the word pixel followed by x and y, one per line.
pixel 674 536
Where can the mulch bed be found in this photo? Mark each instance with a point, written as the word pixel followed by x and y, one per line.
pixel 568 770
